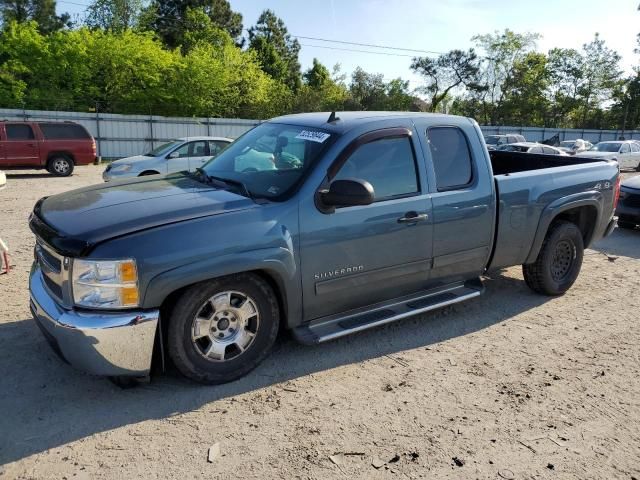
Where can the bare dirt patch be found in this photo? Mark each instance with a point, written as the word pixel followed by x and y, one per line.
pixel 511 385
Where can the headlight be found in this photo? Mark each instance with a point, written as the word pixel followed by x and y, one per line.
pixel 105 284
pixel 121 168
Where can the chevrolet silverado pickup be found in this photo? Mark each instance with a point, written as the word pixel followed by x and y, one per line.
pixel 323 224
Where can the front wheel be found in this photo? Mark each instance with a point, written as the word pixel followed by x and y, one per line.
pixel 60 166
pixel 222 329
pixel 559 260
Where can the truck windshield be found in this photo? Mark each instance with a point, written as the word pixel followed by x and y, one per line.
pixel 271 159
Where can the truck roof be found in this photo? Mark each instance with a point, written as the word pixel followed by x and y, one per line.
pixel 349 120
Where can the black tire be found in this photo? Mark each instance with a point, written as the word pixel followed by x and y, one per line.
pixel 60 165
pixel 187 354
pixel 626 224
pixel 559 260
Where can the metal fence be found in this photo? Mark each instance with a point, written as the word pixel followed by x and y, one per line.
pixel 120 136
pixel 537 134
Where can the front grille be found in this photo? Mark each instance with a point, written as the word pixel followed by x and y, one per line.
pixel 53 273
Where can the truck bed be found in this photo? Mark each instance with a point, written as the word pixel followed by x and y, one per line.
pixel 504 162
pixel 529 188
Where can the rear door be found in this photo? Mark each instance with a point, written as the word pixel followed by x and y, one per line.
pixel 21 146
pixel 463 201
pixel 635 154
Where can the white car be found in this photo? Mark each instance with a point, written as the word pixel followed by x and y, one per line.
pixel 531 147
pixel 3 180
pixel 625 152
pixel 186 153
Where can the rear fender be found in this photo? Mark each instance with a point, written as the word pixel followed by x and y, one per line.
pixel 592 198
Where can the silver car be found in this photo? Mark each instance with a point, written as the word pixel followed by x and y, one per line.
pixel 626 152
pixel 186 153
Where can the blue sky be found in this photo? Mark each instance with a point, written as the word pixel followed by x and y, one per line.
pixel 438 26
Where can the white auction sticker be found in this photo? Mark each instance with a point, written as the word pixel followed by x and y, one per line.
pixel 313 136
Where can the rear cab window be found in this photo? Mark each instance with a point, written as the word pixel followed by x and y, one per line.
pixel 451 157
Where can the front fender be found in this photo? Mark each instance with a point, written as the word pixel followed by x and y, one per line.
pixel 277 262
pixel 592 198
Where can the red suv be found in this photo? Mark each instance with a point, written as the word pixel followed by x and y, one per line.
pixel 56 146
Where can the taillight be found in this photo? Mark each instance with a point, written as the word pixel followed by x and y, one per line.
pixel 616 194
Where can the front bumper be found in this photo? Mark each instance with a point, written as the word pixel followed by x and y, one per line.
pixel 100 343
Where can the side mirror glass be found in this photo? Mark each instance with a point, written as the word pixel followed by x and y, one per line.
pixel 348 193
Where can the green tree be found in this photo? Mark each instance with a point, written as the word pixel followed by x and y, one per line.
pixel 453 70
pixel 526 101
pixel 168 18
pixel 501 51
pixel 602 74
pixel 276 50
pixel 43 12
pixel 317 75
pixel 114 15
pixel 566 75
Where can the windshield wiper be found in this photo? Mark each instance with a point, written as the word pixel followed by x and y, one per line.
pixel 227 181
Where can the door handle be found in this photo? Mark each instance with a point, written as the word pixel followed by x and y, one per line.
pixel 413 217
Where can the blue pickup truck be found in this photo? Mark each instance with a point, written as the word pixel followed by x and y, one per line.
pixel 323 224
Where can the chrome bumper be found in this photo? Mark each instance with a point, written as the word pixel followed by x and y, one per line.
pixel 100 343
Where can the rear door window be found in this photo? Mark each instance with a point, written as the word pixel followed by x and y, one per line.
pixel 625 148
pixel 62 131
pixel 19 131
pixel 549 151
pixel 451 157
pixel 635 147
pixel 536 150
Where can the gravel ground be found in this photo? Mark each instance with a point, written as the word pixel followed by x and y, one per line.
pixel 511 385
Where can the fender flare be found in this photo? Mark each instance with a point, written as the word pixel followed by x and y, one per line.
pixel 592 198
pixel 277 263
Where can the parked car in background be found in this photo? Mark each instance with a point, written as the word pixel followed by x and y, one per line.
pixel 186 153
pixel 361 219
pixel 574 146
pixel 628 209
pixel 494 141
pixel 625 152
pixel 531 147
pixel 56 146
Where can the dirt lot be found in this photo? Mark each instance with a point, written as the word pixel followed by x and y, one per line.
pixel 511 385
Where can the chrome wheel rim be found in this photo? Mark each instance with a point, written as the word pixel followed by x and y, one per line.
pixel 562 262
pixel 225 326
pixel 60 166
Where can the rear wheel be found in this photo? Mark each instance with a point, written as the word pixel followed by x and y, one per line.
pixel 559 261
pixel 222 329
pixel 60 166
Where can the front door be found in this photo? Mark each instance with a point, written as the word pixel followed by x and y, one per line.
pixel 178 159
pixel 20 147
pixel 357 256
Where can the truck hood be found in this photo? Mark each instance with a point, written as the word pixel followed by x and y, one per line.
pixel 74 222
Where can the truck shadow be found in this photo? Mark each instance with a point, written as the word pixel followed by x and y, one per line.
pixel 46 404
